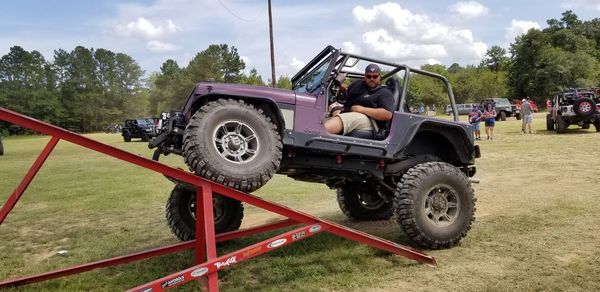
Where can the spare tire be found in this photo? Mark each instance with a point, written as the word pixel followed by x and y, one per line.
pixel 584 107
pixel 232 143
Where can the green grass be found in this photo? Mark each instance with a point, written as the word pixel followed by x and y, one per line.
pixel 536 226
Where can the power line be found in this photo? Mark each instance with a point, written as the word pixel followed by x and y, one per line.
pixel 237 16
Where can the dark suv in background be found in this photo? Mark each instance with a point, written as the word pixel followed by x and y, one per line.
pixel 143 128
pixel 504 108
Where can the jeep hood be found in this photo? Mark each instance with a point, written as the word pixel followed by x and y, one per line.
pixel 278 95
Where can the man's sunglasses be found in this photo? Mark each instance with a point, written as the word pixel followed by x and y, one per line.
pixel 369 76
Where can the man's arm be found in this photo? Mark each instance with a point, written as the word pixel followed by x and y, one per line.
pixel 379 114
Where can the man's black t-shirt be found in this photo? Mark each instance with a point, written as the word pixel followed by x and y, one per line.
pixel 360 94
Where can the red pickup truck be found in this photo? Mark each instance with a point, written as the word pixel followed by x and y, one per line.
pixel 534 106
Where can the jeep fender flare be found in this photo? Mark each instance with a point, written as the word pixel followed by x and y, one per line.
pixel 425 137
pixel 267 105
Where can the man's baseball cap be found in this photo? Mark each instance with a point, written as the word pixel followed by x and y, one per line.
pixel 372 68
pixel 524 100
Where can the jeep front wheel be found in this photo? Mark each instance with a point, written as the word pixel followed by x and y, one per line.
pixel 232 143
pixel 434 204
pixel 181 213
pixel 503 116
pixel 126 136
pixel 361 202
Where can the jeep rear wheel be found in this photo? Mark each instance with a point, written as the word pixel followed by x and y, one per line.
pixel 597 125
pixel 361 202
pixel 434 204
pixel 561 125
pixel 584 107
pixel 144 136
pixel 503 116
pixel 232 143
pixel 518 116
pixel 549 123
pixel 181 213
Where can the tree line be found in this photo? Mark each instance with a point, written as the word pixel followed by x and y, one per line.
pixel 86 89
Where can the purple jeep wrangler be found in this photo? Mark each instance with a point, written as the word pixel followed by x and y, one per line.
pixel 416 168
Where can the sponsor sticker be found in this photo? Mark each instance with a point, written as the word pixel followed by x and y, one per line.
pixel 314 228
pixel 199 272
pixel 229 261
pixel 298 235
pixel 147 290
pixel 172 282
pixel 252 252
pixel 276 243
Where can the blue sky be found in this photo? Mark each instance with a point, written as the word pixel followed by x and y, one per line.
pixel 152 31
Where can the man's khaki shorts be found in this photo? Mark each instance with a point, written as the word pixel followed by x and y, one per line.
pixel 355 121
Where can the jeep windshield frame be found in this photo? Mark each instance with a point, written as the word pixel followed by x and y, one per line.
pixel 315 73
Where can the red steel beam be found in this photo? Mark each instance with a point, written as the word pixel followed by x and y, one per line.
pixel 16 195
pixel 141 255
pixel 225 261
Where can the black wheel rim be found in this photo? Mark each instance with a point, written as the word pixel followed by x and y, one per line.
pixel 370 201
pixel 218 207
pixel 441 205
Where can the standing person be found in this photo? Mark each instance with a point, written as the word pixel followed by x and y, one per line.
pixel 367 100
pixel 527 113
pixel 427 110
pixel 475 119
pixel 489 117
pixel 548 105
pixel 434 110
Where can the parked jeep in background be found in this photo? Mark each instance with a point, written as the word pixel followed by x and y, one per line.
pixel 574 107
pixel 143 128
pixel 503 107
pixel 415 167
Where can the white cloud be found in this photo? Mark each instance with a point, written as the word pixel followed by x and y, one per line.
pixel 469 9
pixel 519 27
pixel 350 47
pixel 297 64
pixel 393 32
pixel 590 4
pixel 144 28
pixel 158 46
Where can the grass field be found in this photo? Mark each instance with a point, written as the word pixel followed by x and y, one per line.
pixel 536 226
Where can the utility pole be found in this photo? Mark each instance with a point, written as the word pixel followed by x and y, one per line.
pixel 273 82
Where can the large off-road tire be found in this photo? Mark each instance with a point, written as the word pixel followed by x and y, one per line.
pixel 503 116
pixel 435 204
pixel 518 116
pixel 584 107
pixel 181 213
pixel 561 125
pixel 585 126
pixel 232 143
pixel 360 202
pixel 597 125
pixel 549 123
pixel 126 136
pixel 144 136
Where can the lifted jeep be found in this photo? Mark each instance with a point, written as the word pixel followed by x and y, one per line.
pixel 416 168
pixel 574 107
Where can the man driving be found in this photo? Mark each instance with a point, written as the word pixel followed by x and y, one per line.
pixel 367 101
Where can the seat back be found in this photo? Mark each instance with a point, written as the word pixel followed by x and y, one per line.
pixel 394 86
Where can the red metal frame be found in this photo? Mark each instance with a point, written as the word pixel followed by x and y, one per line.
pixel 207 261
